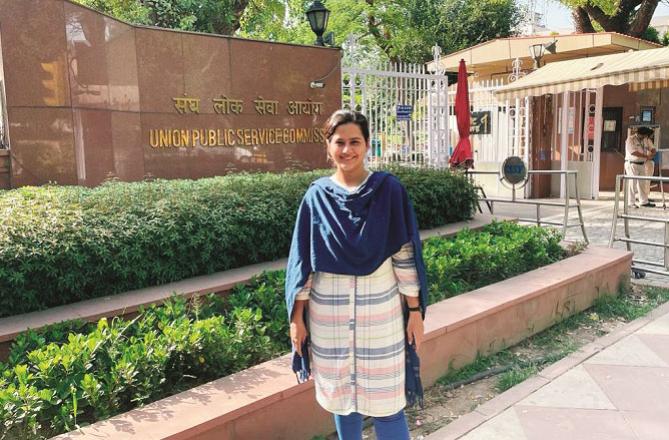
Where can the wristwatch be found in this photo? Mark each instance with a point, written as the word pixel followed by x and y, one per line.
pixel 414 309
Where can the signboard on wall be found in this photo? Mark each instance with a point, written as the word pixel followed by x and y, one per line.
pixel 572 119
pixel 591 128
pixel 514 170
pixel 610 125
pixel 404 112
pixel 480 122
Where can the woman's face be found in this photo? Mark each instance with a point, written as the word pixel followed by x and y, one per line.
pixel 347 148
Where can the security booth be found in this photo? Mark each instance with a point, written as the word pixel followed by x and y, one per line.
pixel 581 113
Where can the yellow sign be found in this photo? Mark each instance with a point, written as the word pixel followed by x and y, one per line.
pixel 229 137
pixel 304 108
pixel 227 106
pixel 184 105
pixel 266 106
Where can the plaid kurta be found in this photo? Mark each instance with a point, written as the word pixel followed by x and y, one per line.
pixel 358 336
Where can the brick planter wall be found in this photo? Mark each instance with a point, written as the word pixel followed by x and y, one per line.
pixel 264 402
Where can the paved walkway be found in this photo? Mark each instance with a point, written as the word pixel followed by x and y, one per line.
pixel 616 388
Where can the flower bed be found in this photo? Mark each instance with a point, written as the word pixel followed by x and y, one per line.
pixel 75 373
pixel 82 243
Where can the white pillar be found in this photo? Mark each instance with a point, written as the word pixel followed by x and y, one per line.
pixel 586 118
pixel 516 130
pixel 564 141
pixel 528 144
pixel 597 146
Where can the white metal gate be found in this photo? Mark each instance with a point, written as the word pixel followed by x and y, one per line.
pixel 418 139
pixel 504 127
pixel 427 137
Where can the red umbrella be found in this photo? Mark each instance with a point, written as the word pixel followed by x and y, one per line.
pixel 463 151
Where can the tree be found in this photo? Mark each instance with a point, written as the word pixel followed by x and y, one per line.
pixel 468 22
pixel 132 11
pixel 651 34
pixel 213 16
pixel 401 30
pixel 394 30
pixel 630 17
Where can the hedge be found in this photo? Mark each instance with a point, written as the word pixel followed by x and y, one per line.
pixel 60 245
pixel 75 373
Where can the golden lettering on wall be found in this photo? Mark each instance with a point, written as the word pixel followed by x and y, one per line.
pixel 304 107
pixel 266 106
pixel 186 105
pixel 229 137
pixel 228 106
pixel 225 105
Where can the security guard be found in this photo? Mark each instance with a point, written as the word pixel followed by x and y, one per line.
pixel 639 150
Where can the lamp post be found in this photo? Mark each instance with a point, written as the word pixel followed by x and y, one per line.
pixel 318 16
pixel 537 53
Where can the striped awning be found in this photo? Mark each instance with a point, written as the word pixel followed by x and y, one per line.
pixel 584 73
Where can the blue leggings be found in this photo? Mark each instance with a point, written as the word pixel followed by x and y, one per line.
pixel 387 428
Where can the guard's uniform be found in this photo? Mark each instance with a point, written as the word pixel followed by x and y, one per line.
pixel 636 166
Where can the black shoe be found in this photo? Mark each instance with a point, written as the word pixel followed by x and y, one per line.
pixel 649 205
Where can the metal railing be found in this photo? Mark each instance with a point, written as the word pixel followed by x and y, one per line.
pixel 565 203
pixel 638 264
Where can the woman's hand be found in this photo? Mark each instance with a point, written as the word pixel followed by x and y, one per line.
pixel 298 333
pixel 415 329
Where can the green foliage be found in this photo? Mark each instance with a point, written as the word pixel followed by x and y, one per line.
pixel 515 376
pixel 480 365
pixel 396 30
pixel 132 11
pixel 438 197
pixel 628 305
pixel 464 23
pixel 118 365
pixel 213 16
pixel 651 34
pixel 609 7
pixel 665 39
pixel 500 251
pixel 391 29
pixel 64 244
pixel 75 373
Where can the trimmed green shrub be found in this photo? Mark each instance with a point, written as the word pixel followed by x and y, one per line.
pixel 64 244
pixel 119 365
pixel 475 259
pixel 75 373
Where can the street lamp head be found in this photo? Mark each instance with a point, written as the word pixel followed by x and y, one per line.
pixel 537 53
pixel 318 16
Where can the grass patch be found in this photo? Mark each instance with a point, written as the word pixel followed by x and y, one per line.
pixel 514 377
pixel 630 305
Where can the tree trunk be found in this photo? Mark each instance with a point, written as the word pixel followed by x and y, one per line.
pixel 582 21
pixel 382 37
pixel 627 20
pixel 642 19
pixel 238 8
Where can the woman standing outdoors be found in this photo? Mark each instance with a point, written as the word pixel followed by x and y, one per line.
pixel 356 289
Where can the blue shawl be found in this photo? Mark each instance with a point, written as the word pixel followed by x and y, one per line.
pixel 353 234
